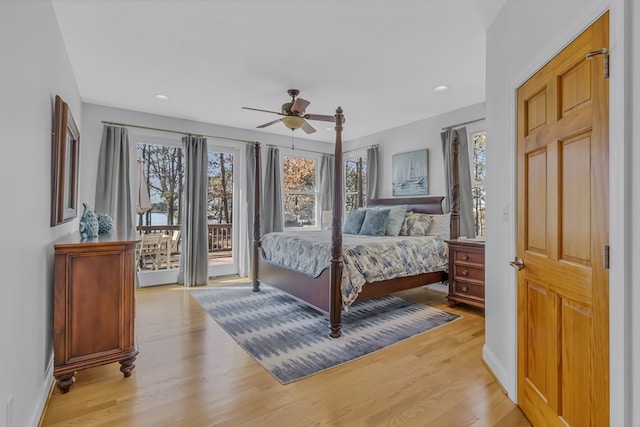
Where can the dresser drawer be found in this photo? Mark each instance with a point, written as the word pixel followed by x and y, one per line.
pixel 468 289
pixel 462 272
pixel 472 257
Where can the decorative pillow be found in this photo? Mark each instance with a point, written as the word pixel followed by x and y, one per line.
pixel 375 222
pixel 416 224
pixel 440 225
pixel 396 217
pixel 405 223
pixel 354 221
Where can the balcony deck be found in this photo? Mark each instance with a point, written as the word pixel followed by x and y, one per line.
pixel 219 242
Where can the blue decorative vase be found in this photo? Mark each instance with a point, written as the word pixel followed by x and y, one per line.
pixel 88 222
pixel 105 224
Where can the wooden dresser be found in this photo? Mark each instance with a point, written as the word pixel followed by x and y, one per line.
pixel 93 305
pixel 466 272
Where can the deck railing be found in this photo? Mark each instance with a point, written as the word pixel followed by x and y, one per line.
pixel 220 236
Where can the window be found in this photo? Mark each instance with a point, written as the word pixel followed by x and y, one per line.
pixel 220 188
pixel 355 183
pixel 300 191
pixel 478 177
pixel 163 176
pixel 164 171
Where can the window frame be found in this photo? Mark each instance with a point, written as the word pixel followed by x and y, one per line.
pixel 472 130
pixel 287 152
pixel 354 156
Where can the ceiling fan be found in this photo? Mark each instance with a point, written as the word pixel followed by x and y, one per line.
pixel 294 114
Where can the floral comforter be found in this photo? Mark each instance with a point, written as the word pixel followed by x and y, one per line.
pixel 366 258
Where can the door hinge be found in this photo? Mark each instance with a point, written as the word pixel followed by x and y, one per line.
pixel 604 52
pixel 606 257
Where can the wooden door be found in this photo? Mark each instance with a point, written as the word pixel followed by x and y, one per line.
pixel 563 289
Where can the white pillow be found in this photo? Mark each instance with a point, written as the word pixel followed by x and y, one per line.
pixel 440 226
pixel 396 217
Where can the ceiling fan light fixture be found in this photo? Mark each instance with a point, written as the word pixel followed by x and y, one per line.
pixel 293 122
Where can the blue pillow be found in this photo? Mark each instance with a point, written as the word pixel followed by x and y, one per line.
pixel 354 222
pixel 375 222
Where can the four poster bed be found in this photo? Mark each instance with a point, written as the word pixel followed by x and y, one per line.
pixel 323 287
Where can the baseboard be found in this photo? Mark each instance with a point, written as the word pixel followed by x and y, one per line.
pixel 498 371
pixel 45 392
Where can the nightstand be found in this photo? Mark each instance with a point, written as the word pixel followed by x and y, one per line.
pixel 466 272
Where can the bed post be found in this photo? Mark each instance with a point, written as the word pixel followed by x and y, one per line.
pixel 455 189
pixel 256 220
pixel 335 293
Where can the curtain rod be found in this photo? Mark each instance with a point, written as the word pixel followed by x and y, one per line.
pixel 297 149
pixel 320 152
pixel 361 148
pixel 464 123
pixel 176 131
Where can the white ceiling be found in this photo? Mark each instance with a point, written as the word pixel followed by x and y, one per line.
pixel 377 59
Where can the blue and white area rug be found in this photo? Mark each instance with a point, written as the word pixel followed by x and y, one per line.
pixel 291 340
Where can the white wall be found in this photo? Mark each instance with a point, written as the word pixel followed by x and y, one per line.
pixel 632 362
pixel 523 37
pixel 415 136
pixel 35 68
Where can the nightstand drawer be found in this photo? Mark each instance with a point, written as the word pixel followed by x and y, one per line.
pixel 466 272
pixel 462 272
pixel 472 257
pixel 469 289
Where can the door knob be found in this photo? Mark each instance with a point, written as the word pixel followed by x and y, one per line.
pixel 517 263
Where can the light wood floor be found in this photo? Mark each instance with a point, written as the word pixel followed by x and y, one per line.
pixel 191 373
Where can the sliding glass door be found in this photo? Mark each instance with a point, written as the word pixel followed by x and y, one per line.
pixel 221 215
pixel 161 174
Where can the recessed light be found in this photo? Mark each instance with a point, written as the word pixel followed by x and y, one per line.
pixel 162 97
pixel 329 128
pixel 440 88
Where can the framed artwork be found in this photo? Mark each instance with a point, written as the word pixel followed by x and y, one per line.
pixel 64 165
pixel 410 173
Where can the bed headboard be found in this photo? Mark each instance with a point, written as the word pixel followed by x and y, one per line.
pixel 427 204
pixel 430 204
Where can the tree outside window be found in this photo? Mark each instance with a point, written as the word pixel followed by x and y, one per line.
pixel 478 180
pixel 300 191
pixel 164 169
pixel 355 183
pixel 220 188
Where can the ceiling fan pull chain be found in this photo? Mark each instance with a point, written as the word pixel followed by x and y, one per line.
pixel 292 147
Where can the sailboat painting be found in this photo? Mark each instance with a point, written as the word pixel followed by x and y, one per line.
pixel 410 173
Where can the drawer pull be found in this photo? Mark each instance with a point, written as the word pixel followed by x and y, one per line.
pixel 465 289
pixel 465 257
pixel 465 272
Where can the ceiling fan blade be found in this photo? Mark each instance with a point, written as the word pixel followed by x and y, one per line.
pixel 265 111
pixel 300 105
pixel 269 124
pixel 307 127
pixel 321 117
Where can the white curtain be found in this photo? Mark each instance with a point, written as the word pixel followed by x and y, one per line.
pixel 326 182
pixel 113 184
pixel 372 172
pixel 272 217
pixel 450 139
pixel 194 260
pixel 245 268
